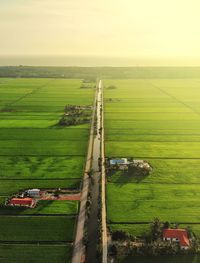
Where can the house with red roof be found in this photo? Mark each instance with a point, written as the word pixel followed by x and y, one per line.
pixel 177 235
pixel 27 202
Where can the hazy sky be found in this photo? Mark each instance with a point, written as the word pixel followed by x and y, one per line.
pixel 146 28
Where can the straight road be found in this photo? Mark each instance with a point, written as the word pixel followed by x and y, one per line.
pixel 93 221
pixel 103 184
pixel 79 247
pixel 96 161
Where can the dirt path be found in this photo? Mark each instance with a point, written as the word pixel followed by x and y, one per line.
pixel 70 197
pixel 79 248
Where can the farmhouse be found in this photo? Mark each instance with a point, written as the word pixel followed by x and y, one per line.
pixel 122 164
pixel 27 202
pixel 33 192
pixel 177 235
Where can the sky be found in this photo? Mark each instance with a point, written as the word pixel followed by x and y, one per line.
pixel 117 28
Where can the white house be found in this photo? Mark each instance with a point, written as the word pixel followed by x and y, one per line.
pixel 120 161
pixel 33 192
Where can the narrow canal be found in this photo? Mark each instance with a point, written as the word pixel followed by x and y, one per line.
pixel 93 222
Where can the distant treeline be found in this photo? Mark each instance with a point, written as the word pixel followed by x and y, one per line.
pixel 91 73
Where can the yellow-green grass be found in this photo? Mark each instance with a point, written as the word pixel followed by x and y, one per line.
pixel 42 148
pixel 26 167
pixel 195 228
pixel 159 121
pixel 45 90
pixel 151 116
pixel 69 133
pixel 153 138
pixel 164 171
pixel 36 153
pixel 142 202
pixel 34 132
pixel 153 124
pixel 154 149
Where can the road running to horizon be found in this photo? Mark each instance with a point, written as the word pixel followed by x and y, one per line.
pixel 103 186
pixel 95 163
pixel 79 247
pixel 93 221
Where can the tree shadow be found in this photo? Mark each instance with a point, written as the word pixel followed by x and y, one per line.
pixel 125 177
pixel 9 210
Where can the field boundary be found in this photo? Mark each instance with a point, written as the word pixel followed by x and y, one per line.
pixel 29 93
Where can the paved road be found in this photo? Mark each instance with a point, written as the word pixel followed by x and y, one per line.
pixel 95 151
pixel 93 221
pixel 79 248
pixel 103 182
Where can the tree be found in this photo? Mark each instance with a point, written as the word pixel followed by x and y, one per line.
pixel 119 235
pixel 57 192
pixel 156 229
pixel 166 225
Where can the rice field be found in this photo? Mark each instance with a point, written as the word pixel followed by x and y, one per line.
pixel 37 228
pixel 35 152
pixel 43 253
pixel 45 207
pixel 157 120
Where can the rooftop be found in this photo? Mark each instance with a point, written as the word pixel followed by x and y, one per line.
pixel 180 234
pixel 119 161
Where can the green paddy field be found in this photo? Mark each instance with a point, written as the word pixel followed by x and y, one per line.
pixel 29 252
pixel 157 120
pixel 37 153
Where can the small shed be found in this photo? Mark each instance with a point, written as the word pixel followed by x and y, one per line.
pixel 33 192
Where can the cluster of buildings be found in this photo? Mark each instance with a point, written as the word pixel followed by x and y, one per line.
pixel 123 164
pixel 170 234
pixel 27 199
